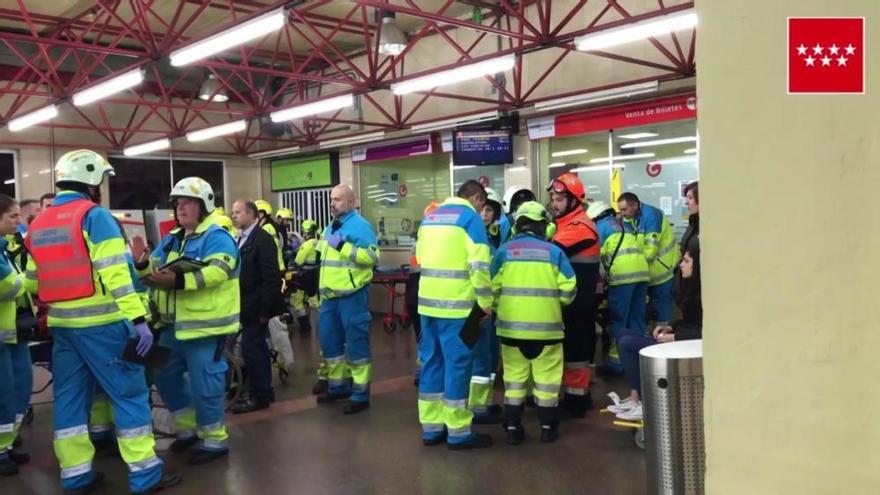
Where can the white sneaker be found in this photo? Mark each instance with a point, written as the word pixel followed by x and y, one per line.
pixel 621 406
pixel 634 414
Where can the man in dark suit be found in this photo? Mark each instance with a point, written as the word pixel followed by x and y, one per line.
pixel 261 299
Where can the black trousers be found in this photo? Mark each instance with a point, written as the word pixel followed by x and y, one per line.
pixel 579 345
pixel 255 351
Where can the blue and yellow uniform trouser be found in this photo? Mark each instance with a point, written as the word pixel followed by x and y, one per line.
pixel 539 362
pixel 7 401
pixel 482 372
pixel 443 385
pixel 197 404
pixel 23 379
pixel 626 310
pixel 660 298
pixel 101 417
pixel 344 332
pixel 82 358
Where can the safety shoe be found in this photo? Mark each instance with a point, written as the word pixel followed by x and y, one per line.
pixel 249 406
pixel 328 398
pixel 549 434
pixel 19 457
pixel 206 456
pixel 8 467
pixel 354 407
pixel 479 441
pixel 183 444
pixel 515 434
pixel 96 484
pixel 320 387
pixel 431 442
pixel 168 480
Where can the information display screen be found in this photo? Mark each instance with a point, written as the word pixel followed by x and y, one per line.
pixel 482 147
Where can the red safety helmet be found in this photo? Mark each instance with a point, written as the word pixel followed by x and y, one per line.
pixel 433 205
pixel 568 182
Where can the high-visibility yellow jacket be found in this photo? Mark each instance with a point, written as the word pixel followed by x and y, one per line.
pixel 270 228
pixel 347 268
pixel 11 289
pixel 453 254
pixel 658 239
pixel 622 252
pixel 531 280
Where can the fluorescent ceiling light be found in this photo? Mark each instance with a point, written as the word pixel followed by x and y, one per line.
pixel 33 118
pixel 621 158
pixel 461 167
pixel 314 108
pixel 557 165
pixel 647 28
pixel 392 41
pixel 639 135
pixel 678 159
pixel 363 138
pixel 273 153
pixel 9 181
pixel 108 87
pixel 234 36
pixel 660 142
pixel 140 149
pixel 596 168
pixel 599 96
pixel 580 151
pixel 453 76
pixel 690 151
pixel 450 123
pixel 216 131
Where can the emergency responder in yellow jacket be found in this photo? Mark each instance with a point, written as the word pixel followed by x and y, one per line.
pixel 306 262
pixel 453 254
pixel 78 267
pixel 198 308
pixel 268 224
pixel 349 252
pixel 531 280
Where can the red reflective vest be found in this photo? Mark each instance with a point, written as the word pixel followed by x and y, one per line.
pixel 55 241
pixel 576 227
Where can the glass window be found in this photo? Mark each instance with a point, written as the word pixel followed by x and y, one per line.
pixel 139 184
pixel 211 171
pixel 7 174
pixel 659 160
pixel 488 175
pixel 394 194
pixel 585 155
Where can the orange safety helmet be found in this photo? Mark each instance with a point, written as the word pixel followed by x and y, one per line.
pixel 570 183
pixel 433 205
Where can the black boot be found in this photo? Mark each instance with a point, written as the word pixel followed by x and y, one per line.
pixel 19 457
pixel 205 456
pixel 96 484
pixel 183 444
pixel 354 407
pixel 549 433
pixel 249 406
pixel 167 481
pixel 328 398
pixel 515 434
pixel 479 441
pixel 320 387
pixel 8 467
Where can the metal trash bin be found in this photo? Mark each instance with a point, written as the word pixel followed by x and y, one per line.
pixel 672 398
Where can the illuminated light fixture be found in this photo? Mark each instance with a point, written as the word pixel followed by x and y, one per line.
pixel 211 90
pixel 392 41
pixel 580 151
pixel 641 30
pixel 234 36
pixel 451 123
pixel 690 151
pixel 363 138
pixel 660 142
pixel 33 118
pixel 639 135
pixel 321 106
pixel 597 168
pixel 461 167
pixel 453 76
pixel 216 131
pixel 677 159
pixel 273 153
pixel 9 181
pixel 109 87
pixel 599 96
pixel 621 158
pixel 140 149
pixel 557 165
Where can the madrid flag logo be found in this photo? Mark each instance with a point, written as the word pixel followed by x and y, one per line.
pixel 826 55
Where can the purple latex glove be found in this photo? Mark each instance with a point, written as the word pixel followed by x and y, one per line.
pixel 145 339
pixel 335 241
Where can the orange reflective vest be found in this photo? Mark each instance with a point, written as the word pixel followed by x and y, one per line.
pixel 56 243
pixel 574 230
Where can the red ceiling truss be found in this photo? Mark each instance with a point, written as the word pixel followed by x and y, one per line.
pixel 48 58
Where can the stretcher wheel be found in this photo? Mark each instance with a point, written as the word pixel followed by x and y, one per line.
pixel 388 326
pixel 405 322
pixel 639 437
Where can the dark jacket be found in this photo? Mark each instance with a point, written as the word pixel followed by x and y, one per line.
pixel 691 234
pixel 260 279
pixel 689 298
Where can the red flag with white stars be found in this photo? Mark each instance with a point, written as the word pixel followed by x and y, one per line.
pixel 826 55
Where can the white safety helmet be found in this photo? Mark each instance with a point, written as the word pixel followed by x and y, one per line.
pixel 196 188
pixel 597 208
pixel 514 191
pixel 84 167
